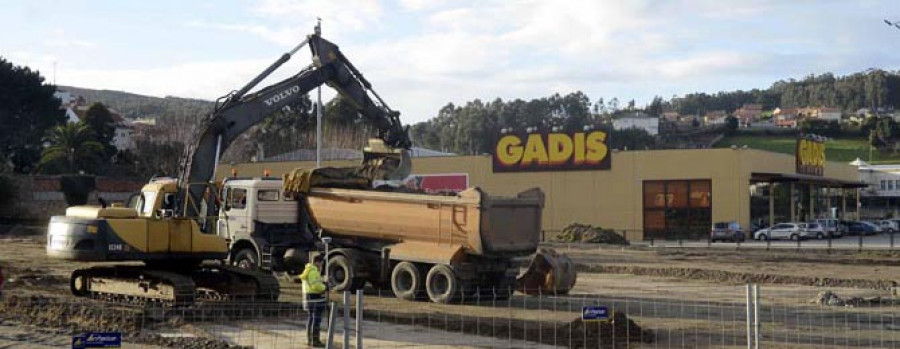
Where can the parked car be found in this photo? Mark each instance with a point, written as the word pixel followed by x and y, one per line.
pixel 833 228
pixel 888 225
pixel 875 227
pixel 860 228
pixel 813 231
pixel 726 231
pixel 793 231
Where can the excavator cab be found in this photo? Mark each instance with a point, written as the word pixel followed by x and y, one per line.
pixel 384 162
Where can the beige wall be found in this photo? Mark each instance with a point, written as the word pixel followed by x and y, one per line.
pixel 612 198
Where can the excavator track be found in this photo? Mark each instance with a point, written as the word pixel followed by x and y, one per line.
pixel 134 285
pixel 140 285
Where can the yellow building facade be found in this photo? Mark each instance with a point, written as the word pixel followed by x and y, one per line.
pixel 653 193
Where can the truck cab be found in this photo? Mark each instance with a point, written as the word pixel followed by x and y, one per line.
pixel 261 225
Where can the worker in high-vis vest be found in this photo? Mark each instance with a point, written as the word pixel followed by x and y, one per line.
pixel 314 299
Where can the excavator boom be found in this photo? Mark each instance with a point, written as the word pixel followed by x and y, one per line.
pixel 387 156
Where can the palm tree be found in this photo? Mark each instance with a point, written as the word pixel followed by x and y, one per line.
pixel 71 149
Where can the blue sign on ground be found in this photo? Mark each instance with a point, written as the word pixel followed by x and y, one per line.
pixel 594 313
pixel 97 340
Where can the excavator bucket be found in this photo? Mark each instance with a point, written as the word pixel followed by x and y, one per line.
pixel 548 273
pixel 386 163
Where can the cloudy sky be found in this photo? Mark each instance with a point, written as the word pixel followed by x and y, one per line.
pixel 422 54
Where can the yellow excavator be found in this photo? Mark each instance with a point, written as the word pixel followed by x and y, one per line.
pixel 170 225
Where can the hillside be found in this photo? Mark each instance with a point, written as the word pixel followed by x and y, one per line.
pixel 133 105
pixel 839 150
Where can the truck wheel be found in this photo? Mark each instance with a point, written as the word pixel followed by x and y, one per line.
pixel 406 281
pixel 442 284
pixel 341 271
pixel 246 258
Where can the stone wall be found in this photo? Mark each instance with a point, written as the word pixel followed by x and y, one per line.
pixel 36 198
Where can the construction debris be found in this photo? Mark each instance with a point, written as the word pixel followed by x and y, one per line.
pixel 577 232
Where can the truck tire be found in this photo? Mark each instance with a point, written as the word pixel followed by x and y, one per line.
pixel 343 274
pixel 442 284
pixel 407 281
pixel 246 258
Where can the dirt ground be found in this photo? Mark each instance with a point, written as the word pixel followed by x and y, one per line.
pixel 683 298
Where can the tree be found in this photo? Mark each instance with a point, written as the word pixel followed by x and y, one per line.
pixel 101 124
pixel 656 106
pixel 72 149
pixel 731 125
pixel 27 110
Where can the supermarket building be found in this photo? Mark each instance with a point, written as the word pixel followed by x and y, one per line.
pixel 659 194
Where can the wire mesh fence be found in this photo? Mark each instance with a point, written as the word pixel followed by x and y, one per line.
pixel 709 316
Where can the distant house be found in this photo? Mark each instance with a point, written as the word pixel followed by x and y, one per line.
pixel 638 121
pixel 123 138
pixel 749 113
pixel 671 116
pixel 827 113
pixel 715 117
pixel 820 113
pixel 785 117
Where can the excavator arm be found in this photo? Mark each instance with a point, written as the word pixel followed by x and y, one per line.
pixel 240 111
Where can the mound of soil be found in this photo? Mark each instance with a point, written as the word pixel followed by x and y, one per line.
pixel 832 299
pixel 618 332
pixel 737 277
pixel 30 277
pixel 80 316
pixel 61 313
pixel 577 232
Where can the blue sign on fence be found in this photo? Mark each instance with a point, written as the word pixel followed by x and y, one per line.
pixel 594 313
pixel 97 340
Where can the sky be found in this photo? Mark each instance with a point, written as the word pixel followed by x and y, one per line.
pixel 422 54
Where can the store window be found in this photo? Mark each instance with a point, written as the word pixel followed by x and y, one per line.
pixel 883 184
pixel 677 209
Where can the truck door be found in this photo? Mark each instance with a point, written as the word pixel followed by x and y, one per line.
pixel 236 210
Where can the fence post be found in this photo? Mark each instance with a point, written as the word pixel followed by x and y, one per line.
pixel 749 318
pixel 346 319
pixel 359 319
pixel 329 343
pixel 860 241
pixel 892 239
pixel 756 316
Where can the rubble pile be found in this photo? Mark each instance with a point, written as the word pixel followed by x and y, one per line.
pixel 577 232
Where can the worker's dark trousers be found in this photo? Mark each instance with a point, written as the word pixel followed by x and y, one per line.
pixel 315 304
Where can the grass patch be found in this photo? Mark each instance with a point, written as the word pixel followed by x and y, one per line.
pixel 839 150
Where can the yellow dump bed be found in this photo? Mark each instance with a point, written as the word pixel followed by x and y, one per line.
pixel 479 223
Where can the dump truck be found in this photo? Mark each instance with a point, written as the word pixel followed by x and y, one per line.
pixel 421 246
